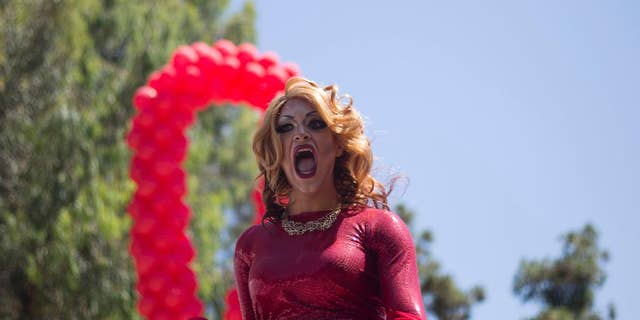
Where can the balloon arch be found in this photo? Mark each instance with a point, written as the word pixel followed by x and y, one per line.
pixel 197 76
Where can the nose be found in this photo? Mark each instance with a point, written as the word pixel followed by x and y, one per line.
pixel 300 135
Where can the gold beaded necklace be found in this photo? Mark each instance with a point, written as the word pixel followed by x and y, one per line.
pixel 294 228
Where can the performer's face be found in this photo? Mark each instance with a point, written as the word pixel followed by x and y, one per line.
pixel 309 148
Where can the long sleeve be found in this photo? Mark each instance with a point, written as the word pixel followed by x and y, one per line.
pixel 241 265
pixel 390 239
pixel 362 267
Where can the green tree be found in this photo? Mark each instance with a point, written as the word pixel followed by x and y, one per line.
pixel 68 70
pixel 566 286
pixel 442 296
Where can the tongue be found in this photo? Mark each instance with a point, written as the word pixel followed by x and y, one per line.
pixel 305 164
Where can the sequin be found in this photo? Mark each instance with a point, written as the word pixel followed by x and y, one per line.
pixel 362 267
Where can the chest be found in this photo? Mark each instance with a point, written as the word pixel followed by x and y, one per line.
pixel 336 262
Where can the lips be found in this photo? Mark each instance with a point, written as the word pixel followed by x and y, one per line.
pixel 304 161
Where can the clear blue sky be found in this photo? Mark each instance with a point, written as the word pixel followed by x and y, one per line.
pixel 515 121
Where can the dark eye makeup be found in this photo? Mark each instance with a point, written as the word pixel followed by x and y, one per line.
pixel 314 124
pixel 317 124
pixel 285 127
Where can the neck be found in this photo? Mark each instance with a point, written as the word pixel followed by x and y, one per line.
pixel 304 202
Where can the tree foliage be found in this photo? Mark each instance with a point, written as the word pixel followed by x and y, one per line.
pixel 68 70
pixel 566 286
pixel 442 296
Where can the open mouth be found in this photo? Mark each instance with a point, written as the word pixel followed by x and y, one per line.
pixel 305 161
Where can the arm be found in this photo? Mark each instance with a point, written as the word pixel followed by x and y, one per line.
pixel 397 266
pixel 241 266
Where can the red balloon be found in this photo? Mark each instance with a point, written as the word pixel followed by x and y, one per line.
pixel 144 97
pixel 215 90
pixel 184 250
pixel 275 78
pixel 253 74
pixel 141 288
pixel 145 263
pixel 194 307
pixel 228 74
pixel 174 260
pixel 162 313
pixel 178 219
pixel 140 169
pixel 229 67
pixel 157 281
pixel 183 208
pixel 262 99
pixel 146 187
pixel 194 80
pixel 145 224
pixel 183 57
pixel 164 108
pixel 144 255
pixel 268 59
pixel 146 152
pixel 197 101
pixel 177 186
pixel 249 80
pixel 171 263
pixel 146 305
pixel 135 137
pixel 186 279
pixel 181 119
pixel 144 119
pixel 135 234
pixel 232 311
pixel 164 80
pixel 292 69
pixel 174 150
pixel 247 52
pixel 164 168
pixel 164 238
pixel 258 101
pixel 209 58
pixel 162 203
pixel 134 208
pixel 163 135
pixel 174 297
pixel 154 80
pixel 211 61
pixel 226 48
pixel 136 246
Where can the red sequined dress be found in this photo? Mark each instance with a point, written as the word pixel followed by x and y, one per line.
pixel 362 267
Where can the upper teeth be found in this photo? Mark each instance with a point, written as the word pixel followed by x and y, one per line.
pixel 304 149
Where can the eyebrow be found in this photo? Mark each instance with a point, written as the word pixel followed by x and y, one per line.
pixel 306 115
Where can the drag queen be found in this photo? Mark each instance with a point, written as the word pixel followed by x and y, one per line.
pixel 328 247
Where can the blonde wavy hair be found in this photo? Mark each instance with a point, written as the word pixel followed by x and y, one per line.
pixel 352 177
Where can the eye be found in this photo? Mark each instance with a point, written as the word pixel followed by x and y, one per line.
pixel 286 127
pixel 317 124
